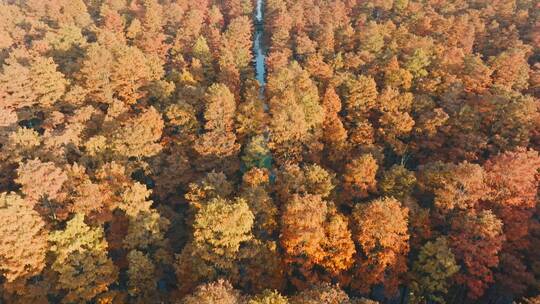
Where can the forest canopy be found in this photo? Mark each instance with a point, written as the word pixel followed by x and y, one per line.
pixel 387 152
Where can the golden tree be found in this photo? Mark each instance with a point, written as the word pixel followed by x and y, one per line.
pixel 80 259
pixel 359 177
pixel 381 232
pixel 139 135
pixel 321 238
pixel 219 140
pixel 23 239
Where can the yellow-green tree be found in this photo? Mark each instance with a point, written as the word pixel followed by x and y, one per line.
pixel 269 297
pixel 322 293
pixel 80 259
pixel 432 271
pixel 141 276
pixel 220 227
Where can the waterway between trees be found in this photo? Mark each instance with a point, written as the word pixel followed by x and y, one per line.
pixel 259 49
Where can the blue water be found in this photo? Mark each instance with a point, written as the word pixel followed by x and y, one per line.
pixel 258 46
pixel 259 14
pixel 260 57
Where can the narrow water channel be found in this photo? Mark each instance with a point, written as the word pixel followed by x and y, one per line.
pixel 259 47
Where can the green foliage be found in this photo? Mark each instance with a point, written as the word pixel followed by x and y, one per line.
pixel 431 272
pixel 397 182
pixel 257 154
pixel 269 297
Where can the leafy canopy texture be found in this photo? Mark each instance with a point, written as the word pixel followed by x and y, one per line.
pixel 269 151
pixel 81 261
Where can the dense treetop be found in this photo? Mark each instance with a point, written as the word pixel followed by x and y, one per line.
pixel 391 156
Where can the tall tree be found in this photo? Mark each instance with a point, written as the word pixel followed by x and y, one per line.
pixel 513 181
pixel 381 231
pixel 139 136
pixel 47 83
pixel 219 140
pixel 220 227
pixel 359 177
pixel 23 240
pixel 476 239
pixel 431 272
pixel 218 292
pixel 321 238
pixel 80 260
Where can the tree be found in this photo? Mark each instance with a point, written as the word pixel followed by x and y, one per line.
pixel 338 246
pixel 202 51
pixel 269 297
pixel 359 177
pixel 141 272
pixel 476 239
pixel 22 144
pixel 458 187
pixel 395 121
pixel 219 292
pixel 220 227
pixel 219 140
pixel 261 267
pixel 256 153
pixel 334 132
pixel 47 84
pixel 95 73
pixel 80 260
pixel 512 178
pixel 397 182
pixel 139 135
pixel 510 68
pixel 80 194
pixel 309 179
pixel 236 8
pixel 151 38
pixel 431 272
pixel 15 89
pixel 361 98
pixel 476 75
pixel 130 72
pixel 380 229
pixel 236 40
pixel 23 239
pixel 301 239
pixel 255 192
pixel 320 238
pixel 40 180
pixel 323 293
pixel 295 111
pixel 395 76
pixel 213 185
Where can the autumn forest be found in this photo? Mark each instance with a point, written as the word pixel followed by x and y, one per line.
pixel 270 151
